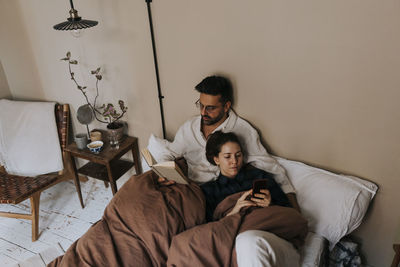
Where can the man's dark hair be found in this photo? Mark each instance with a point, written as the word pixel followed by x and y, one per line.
pixel 216 85
pixel 216 141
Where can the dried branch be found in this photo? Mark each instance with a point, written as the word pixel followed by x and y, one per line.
pixel 108 112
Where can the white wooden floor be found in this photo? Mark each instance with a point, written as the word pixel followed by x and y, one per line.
pixel 62 221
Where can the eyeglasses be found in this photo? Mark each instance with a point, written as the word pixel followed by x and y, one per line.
pixel 208 109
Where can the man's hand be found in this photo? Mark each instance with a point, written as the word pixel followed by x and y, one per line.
pixel 162 181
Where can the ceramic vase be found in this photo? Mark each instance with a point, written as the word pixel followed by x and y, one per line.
pixel 115 131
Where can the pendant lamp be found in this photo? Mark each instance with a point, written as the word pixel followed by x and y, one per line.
pixel 74 22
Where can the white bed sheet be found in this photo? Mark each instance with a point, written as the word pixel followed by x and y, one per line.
pixel 312 253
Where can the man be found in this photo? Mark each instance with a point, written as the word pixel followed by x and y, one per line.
pixel 216 97
pixel 254 248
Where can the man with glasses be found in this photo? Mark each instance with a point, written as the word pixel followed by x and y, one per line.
pixel 253 248
pixel 216 98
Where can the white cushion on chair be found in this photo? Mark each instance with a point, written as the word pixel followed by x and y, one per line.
pixel 333 204
pixel 29 143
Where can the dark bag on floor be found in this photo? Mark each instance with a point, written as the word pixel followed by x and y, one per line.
pixel 345 254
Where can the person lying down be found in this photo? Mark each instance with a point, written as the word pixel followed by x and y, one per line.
pixel 225 151
pixel 150 224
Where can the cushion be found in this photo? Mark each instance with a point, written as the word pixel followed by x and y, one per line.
pixel 29 143
pixel 333 204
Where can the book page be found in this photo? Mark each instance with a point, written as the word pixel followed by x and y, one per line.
pixel 148 157
pixel 171 171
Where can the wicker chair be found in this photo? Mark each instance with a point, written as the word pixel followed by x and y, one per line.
pixel 15 189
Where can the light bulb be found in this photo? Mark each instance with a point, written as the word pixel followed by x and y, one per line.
pixel 77 33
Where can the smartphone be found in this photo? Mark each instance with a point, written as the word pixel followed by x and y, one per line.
pixel 258 185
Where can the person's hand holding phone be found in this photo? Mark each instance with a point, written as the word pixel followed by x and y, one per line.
pixel 261 195
pixel 242 202
pixel 262 199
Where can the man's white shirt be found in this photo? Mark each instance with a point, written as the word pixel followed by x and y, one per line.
pixel 190 143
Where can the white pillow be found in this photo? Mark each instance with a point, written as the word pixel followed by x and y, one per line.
pixel 333 204
pixel 159 150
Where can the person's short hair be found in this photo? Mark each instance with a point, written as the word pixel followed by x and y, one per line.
pixel 216 141
pixel 216 85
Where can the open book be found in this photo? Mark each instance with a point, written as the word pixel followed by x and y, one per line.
pixel 166 169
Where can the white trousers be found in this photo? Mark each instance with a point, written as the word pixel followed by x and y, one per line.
pixel 263 249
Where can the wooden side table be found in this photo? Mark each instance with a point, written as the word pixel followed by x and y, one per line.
pixel 106 165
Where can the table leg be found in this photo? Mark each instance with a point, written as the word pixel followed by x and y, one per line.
pixel 135 155
pixel 76 178
pixel 111 178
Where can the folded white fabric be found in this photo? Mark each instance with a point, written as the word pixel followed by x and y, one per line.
pixel 29 143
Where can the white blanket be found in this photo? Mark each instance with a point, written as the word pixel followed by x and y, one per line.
pixel 29 143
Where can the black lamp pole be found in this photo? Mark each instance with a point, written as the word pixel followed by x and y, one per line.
pixel 160 96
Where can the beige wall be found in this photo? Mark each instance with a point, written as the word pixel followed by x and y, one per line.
pixel 16 53
pixel 319 79
pixel 4 89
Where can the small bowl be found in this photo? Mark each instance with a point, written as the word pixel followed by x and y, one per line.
pixel 95 147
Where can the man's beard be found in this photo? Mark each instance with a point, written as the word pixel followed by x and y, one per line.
pixel 214 120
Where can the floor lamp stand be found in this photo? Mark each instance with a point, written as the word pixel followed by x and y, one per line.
pixel 160 96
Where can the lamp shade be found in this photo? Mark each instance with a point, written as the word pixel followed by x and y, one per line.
pixel 75 25
pixel 74 22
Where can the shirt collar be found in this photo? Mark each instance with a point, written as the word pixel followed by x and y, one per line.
pixel 223 125
pixel 222 179
pixel 227 125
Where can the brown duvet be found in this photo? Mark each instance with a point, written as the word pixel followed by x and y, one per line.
pixel 148 225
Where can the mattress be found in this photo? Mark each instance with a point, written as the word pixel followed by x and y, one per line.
pixel 312 253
